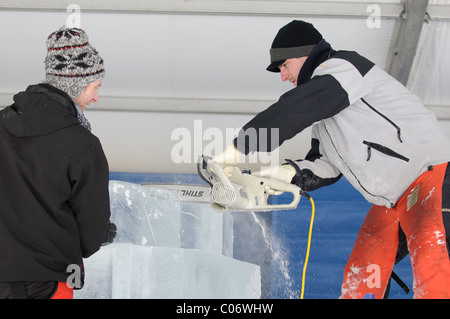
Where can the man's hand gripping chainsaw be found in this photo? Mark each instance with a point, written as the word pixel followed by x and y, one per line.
pixel 233 189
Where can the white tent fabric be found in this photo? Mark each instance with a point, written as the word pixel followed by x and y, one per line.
pixel 429 76
pixel 168 67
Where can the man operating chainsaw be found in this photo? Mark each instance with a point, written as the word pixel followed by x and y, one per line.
pixel 369 128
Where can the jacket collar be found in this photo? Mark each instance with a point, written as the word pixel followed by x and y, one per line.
pixel 319 54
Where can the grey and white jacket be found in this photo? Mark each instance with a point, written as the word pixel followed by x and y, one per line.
pixel 365 126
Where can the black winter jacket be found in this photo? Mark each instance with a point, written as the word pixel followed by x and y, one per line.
pixel 54 199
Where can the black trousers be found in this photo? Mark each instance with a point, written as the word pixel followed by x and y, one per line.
pixel 28 289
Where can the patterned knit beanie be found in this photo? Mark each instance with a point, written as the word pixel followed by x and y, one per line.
pixel 71 62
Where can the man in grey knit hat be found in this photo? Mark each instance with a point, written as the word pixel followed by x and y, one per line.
pixel 54 198
pixel 72 63
pixel 74 66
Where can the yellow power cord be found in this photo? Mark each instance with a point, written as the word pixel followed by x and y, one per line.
pixel 309 243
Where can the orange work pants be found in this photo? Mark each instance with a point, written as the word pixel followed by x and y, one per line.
pixel 419 211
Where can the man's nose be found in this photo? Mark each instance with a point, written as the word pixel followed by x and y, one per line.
pixel 95 98
pixel 284 76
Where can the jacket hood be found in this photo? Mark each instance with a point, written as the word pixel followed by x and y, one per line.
pixel 40 110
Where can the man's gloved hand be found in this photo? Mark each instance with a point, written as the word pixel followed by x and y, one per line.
pixel 228 157
pixel 111 232
pixel 283 173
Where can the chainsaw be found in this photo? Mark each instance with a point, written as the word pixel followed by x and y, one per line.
pixel 233 189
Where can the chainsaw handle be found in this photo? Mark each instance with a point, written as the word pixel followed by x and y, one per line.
pixel 278 185
pixel 281 186
pixel 256 189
